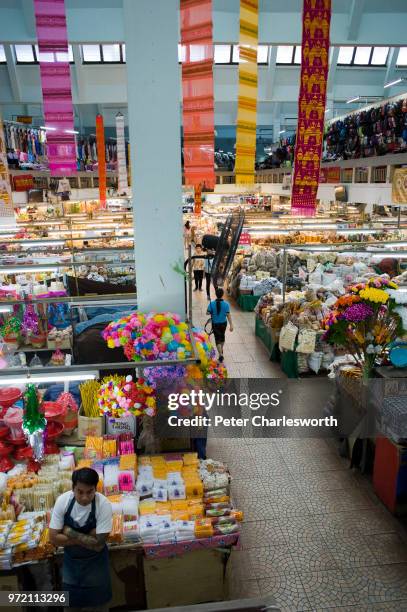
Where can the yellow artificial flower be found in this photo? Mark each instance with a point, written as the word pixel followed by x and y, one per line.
pixel 374 295
pixel 393 285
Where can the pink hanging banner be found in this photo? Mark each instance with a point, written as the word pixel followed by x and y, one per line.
pixel 316 20
pixel 56 86
pixel 197 93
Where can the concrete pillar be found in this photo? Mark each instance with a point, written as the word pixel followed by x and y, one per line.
pixel 153 94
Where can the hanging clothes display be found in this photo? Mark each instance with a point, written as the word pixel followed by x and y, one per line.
pixel 50 21
pixel 25 146
pixel 101 152
pixel 316 20
pixel 247 97
pixel 6 203
pixel 197 93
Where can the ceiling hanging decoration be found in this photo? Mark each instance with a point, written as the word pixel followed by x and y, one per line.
pixel 316 21
pixel 123 184
pixel 50 21
pixel 101 153
pixel 247 98
pixel 197 93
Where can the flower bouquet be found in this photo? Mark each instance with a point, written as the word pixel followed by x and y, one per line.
pixel 364 322
pixel 120 396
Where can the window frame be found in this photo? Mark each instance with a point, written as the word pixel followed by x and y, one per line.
pixel 102 61
pixel 293 54
pixel 353 64
pixel 3 62
pixel 401 66
pixel 36 55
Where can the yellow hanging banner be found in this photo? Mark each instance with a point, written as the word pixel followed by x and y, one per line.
pixel 247 99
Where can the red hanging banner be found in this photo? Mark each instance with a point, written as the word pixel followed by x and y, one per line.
pixel 101 153
pixel 316 20
pixel 55 72
pixel 197 93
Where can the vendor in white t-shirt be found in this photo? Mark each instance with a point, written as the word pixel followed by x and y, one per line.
pixel 81 522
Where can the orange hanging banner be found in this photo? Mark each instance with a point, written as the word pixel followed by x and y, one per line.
pixel 101 153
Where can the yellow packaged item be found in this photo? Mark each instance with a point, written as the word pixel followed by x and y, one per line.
pixel 203 528
pixel 94 443
pixel 196 512
pixel 159 473
pixel 194 488
pixel 190 458
pixel 128 462
pixel 147 506
pixel 174 466
pixel 145 460
pixel 163 508
pixel 237 515
pixel 109 448
pixel 179 504
pixel 82 463
pixel 179 515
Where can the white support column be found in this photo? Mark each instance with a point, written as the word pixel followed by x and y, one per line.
pixel 153 83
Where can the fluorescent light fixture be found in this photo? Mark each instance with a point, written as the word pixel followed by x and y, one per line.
pixel 5 309
pixel 393 83
pixel 46 378
pixel 71 132
pixel 391 245
pixel 353 100
pixel 35 243
pixel 327 110
pixel 30 269
pixel 48 128
pixel 281 131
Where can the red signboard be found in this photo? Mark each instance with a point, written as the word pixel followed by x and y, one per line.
pixel 330 175
pixel 245 239
pixel 24 182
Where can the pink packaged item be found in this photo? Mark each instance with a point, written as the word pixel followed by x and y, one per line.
pixel 14 421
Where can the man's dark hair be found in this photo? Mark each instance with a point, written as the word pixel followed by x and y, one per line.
pixel 85 476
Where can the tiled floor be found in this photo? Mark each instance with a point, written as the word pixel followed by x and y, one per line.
pixel 314 536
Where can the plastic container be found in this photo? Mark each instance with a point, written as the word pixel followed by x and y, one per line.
pixel 14 421
pixel 8 397
pixel 53 411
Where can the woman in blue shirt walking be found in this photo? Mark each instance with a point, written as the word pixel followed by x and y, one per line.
pixel 220 314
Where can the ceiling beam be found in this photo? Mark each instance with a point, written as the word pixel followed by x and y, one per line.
pixel 332 70
pixel 355 17
pixel 13 74
pixel 391 65
pixel 271 72
pixel 29 18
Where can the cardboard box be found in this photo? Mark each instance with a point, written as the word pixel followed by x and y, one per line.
pixel 118 425
pixel 90 426
pixel 53 344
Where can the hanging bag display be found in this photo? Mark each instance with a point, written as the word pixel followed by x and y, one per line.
pixel 288 336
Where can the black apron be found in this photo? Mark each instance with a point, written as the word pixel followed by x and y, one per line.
pixel 86 574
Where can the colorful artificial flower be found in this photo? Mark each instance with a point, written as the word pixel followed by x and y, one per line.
pixel 358 312
pixel 119 397
pixel 378 296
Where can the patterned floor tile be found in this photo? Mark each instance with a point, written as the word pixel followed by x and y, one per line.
pixel 257 510
pixel 312 556
pixel 351 551
pixel 385 582
pixel 338 524
pixel 337 501
pixel 388 548
pixel 252 487
pixel 376 520
pixel 289 504
pixel 327 463
pixel 266 468
pixel 246 469
pixel 288 592
pixel 279 484
pixel 298 529
pixel 270 560
pixel 326 481
pixel 335 588
pixel 262 533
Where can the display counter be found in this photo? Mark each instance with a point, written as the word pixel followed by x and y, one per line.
pixel 248 302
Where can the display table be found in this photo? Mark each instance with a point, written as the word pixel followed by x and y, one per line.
pixel 248 302
pixel 147 576
pixel 288 359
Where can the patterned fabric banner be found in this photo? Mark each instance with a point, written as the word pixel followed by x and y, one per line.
pixel 311 104
pixel 197 93
pixel 56 85
pixel 6 202
pixel 247 99
pixel 399 186
pixel 101 151
pixel 123 185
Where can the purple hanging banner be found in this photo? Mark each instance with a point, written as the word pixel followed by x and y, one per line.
pixel 56 85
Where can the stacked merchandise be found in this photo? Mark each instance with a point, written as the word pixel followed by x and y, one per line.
pixel 376 131
pixel 297 326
